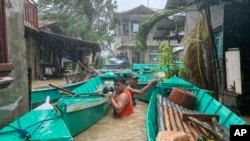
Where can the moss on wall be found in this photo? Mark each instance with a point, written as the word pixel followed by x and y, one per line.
pixel 14 98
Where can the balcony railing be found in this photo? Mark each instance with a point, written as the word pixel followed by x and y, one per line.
pixel 30 13
pixel 129 40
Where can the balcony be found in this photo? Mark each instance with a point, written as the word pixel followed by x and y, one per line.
pixel 128 40
pixel 30 13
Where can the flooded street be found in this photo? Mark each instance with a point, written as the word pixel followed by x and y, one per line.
pixel 54 81
pixel 131 128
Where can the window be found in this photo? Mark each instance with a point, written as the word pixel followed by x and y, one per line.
pixel 5 66
pixel 154 55
pixel 125 28
pixel 135 27
pixel 3 47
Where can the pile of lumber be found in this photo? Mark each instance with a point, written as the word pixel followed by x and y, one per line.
pixel 178 123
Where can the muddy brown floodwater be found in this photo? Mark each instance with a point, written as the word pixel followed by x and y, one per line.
pixel 54 81
pixel 131 128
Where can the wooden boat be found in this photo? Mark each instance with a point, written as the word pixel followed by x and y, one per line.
pixel 41 123
pixel 142 82
pixel 87 107
pixel 148 72
pixel 158 115
pixel 147 95
pixel 38 95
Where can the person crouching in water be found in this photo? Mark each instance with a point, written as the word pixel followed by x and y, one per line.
pixel 122 101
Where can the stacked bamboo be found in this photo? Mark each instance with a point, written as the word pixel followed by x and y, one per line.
pixel 177 118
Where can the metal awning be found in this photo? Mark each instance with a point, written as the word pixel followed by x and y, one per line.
pixel 167 26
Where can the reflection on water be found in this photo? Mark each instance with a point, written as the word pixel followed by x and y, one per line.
pixel 131 128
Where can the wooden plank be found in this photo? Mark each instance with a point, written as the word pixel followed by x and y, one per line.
pixel 201 117
pixel 218 135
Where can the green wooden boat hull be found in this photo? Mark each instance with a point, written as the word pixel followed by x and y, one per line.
pixel 38 95
pixel 204 103
pixel 42 123
pixel 142 82
pixel 81 112
pixel 147 95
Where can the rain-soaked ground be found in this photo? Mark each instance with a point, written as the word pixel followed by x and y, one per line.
pixel 130 128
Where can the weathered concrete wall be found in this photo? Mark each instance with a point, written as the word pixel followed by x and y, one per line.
pixel 14 98
pixel 192 17
pixel 33 57
pixel 217 15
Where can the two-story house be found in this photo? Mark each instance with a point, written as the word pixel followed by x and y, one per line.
pixel 169 30
pixel 126 25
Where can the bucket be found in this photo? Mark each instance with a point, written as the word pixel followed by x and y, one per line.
pixel 182 97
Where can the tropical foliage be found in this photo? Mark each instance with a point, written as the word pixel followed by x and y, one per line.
pixel 194 56
pixel 194 61
pixel 147 25
pixel 168 60
pixel 84 19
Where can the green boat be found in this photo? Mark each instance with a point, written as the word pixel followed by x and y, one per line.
pixel 143 80
pixel 41 123
pixel 88 107
pixel 203 104
pixel 38 95
pixel 148 72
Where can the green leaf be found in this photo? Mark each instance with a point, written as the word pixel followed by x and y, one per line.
pixel 149 23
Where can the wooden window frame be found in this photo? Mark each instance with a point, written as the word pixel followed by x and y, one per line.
pixel 5 66
pixel 3 45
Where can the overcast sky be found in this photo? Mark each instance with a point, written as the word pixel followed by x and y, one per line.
pixel 124 5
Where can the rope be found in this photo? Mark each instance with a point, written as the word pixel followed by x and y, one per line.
pixel 23 132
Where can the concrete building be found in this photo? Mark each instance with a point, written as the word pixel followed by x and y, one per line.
pixel 14 88
pixel 26 51
pixel 125 26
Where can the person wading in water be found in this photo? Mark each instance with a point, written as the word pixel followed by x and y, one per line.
pixel 132 83
pixel 122 101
